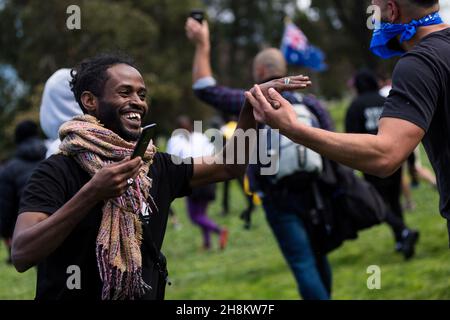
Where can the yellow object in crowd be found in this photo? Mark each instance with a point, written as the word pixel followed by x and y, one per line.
pixel 228 129
pixel 255 198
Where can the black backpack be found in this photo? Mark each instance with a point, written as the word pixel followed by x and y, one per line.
pixel 344 205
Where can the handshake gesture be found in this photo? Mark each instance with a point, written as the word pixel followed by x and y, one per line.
pixel 270 107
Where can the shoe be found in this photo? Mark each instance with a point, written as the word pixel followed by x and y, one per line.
pixel 223 239
pixel 409 242
pixel 245 216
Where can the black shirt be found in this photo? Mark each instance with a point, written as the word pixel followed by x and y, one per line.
pixel 56 181
pixel 364 113
pixel 421 95
pixel 363 116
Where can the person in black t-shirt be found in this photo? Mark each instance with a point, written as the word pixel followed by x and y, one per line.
pixel 362 117
pixel 93 220
pixel 417 109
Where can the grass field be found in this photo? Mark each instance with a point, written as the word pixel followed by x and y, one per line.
pixel 252 267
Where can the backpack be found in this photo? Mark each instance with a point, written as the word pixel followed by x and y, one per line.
pixel 294 160
pixel 345 205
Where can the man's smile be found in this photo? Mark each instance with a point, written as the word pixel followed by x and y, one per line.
pixel 131 119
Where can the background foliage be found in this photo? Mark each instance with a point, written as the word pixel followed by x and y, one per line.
pixel 35 42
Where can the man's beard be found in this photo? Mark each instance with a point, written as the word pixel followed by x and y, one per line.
pixel 109 116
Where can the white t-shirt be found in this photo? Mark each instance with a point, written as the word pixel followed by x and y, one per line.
pixel 194 145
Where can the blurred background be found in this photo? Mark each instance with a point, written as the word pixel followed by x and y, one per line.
pixel 35 42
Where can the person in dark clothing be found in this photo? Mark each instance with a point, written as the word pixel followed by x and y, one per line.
pixel 14 175
pixel 362 117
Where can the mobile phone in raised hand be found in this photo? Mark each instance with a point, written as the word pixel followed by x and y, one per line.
pixel 144 140
pixel 198 15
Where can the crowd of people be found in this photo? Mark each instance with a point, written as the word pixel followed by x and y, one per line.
pixel 91 204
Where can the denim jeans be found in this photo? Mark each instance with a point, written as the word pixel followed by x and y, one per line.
pixel 313 274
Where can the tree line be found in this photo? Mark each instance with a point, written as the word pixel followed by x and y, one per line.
pixel 35 42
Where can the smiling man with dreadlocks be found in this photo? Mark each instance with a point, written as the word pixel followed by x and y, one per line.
pixel 80 212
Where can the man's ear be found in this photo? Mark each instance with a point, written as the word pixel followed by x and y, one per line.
pixel 90 102
pixel 393 12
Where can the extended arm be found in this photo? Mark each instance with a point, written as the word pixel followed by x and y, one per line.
pixel 222 98
pixel 379 155
pixel 198 33
pixel 225 164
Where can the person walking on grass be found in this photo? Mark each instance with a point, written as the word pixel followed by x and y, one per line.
pixel 362 117
pixel 185 144
pixel 417 108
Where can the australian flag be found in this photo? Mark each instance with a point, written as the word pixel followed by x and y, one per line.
pixel 298 51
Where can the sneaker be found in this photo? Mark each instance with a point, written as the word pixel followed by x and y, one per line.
pixel 223 239
pixel 245 216
pixel 409 242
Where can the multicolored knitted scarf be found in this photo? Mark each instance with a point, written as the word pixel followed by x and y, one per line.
pixel 118 245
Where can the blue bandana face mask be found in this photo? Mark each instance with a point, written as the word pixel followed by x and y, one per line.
pixel 388 32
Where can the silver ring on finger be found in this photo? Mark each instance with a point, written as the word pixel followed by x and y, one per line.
pixel 130 182
pixel 287 81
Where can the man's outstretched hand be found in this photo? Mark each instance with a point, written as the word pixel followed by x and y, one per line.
pixel 280 85
pixel 278 114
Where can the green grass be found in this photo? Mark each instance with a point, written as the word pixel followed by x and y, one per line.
pixel 252 266
pixel 14 285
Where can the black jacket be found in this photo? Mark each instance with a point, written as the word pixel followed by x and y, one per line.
pixel 13 178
